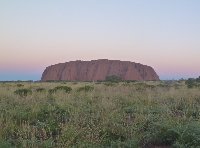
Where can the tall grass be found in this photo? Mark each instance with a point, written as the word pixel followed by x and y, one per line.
pixel 133 114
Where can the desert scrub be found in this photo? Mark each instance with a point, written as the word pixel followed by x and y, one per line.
pixel 109 83
pixel 23 92
pixel 135 115
pixel 86 88
pixel 40 89
pixel 113 78
pixel 191 82
pixel 66 89
pixel 20 85
pixel 5 144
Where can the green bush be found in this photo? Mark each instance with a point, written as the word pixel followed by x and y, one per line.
pixel 191 82
pixel 50 118
pixel 130 81
pixel 132 143
pixel 189 134
pixel 40 90
pixel 86 88
pixel 62 88
pixel 51 91
pixel 109 84
pixel 20 85
pixel 23 92
pixel 5 144
pixel 163 136
pixel 113 78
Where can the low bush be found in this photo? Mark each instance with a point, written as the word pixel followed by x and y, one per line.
pixel 23 92
pixel 5 144
pixel 50 118
pixel 113 78
pixel 189 134
pixel 109 84
pixel 62 88
pixel 86 88
pixel 40 90
pixel 20 85
pixel 191 82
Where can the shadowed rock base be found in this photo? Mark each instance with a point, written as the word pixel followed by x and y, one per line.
pixel 98 70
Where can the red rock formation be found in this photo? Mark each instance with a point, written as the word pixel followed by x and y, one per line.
pixel 98 70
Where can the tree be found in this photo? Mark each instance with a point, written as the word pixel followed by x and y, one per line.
pixel 113 78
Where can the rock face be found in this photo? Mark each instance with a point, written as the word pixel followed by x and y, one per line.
pixel 98 70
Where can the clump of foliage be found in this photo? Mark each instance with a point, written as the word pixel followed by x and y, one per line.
pixel 51 91
pixel 98 82
pixel 40 89
pixel 86 88
pixel 23 92
pixel 143 86
pixel 74 83
pixel 109 84
pixel 66 89
pixel 20 85
pixel 113 78
pixel 49 118
pixel 192 82
pixel 5 144
pixel 130 81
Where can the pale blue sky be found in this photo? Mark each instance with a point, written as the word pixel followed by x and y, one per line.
pixel 164 34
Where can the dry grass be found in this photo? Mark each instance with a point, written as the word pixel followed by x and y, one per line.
pixel 135 114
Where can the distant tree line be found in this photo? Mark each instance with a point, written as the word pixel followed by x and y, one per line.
pixel 192 82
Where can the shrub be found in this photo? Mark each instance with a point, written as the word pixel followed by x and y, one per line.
pixel 198 79
pixel 190 83
pixel 143 86
pixel 97 82
pixel 64 88
pixel 124 144
pixel 40 89
pixel 51 91
pixel 190 134
pixel 113 78
pixel 109 84
pixel 50 118
pixel 20 85
pixel 164 136
pixel 130 81
pixel 23 92
pixel 86 88
pixel 5 144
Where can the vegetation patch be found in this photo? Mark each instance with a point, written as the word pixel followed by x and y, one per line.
pixel 20 85
pixel 191 82
pixel 23 92
pixel 113 78
pixel 86 88
pixel 109 84
pixel 60 88
pixel 40 89
pixel 137 114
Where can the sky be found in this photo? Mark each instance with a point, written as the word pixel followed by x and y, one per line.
pixel 164 34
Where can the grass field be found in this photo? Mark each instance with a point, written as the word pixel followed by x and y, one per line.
pixel 99 114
